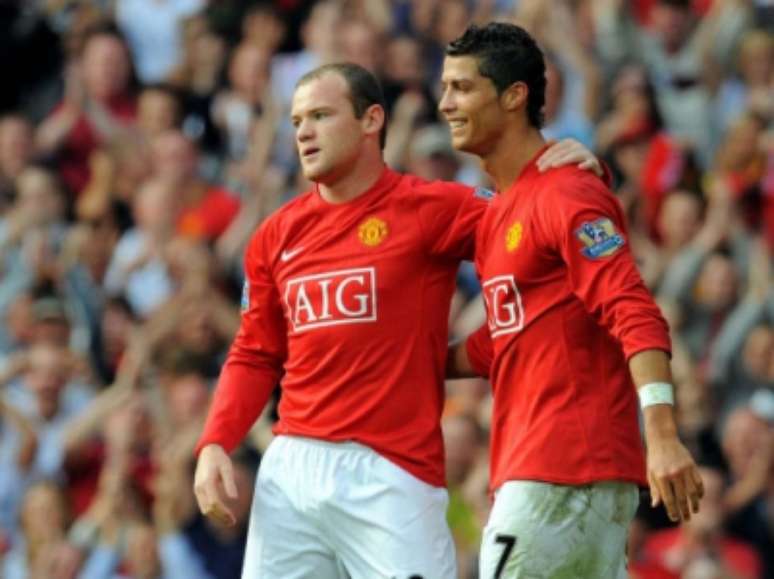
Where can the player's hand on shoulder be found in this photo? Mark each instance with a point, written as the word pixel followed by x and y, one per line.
pixel 569 152
pixel 214 484
pixel 674 478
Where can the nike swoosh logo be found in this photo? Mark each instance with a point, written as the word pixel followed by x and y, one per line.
pixel 288 255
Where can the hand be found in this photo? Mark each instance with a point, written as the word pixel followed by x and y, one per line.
pixel 673 478
pixel 567 152
pixel 215 474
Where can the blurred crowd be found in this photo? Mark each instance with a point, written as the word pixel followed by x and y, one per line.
pixel 143 141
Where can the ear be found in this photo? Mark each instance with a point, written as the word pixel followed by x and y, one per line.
pixel 373 119
pixel 515 96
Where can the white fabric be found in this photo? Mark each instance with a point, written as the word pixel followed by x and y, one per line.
pixel 549 530
pixel 327 510
pixel 152 28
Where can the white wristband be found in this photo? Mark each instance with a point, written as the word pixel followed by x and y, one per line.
pixel 656 393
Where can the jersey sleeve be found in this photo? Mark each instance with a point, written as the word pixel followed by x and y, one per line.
pixel 254 364
pixel 584 223
pixel 448 215
pixel 478 346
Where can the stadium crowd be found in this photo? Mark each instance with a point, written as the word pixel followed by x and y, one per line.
pixel 143 141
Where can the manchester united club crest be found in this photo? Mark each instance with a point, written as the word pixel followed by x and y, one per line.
pixel 372 231
pixel 513 236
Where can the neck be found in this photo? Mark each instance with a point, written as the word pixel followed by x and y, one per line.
pixel 511 154
pixel 352 184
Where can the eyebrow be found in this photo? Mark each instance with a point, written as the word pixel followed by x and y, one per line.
pixel 311 111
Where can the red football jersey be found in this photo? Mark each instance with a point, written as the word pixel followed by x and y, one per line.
pixel 351 301
pixel 566 307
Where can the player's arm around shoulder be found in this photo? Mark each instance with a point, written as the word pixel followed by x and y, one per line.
pixel 448 215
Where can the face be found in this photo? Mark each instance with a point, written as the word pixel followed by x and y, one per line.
pixel 16 144
pixel 359 43
pixel 717 283
pixel 187 398
pixel 329 137
pixel 38 196
pixel 47 376
pixel 671 23
pixel 404 60
pixel 105 67
pixel 249 72
pixel 471 106
pixel 174 157
pixel 744 437
pixel 680 218
pixel 156 112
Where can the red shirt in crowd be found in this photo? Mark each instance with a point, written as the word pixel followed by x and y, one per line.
pixel 211 216
pixel 738 557
pixel 83 140
pixel 566 308
pixel 351 302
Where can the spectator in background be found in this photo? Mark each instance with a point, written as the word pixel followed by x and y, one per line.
pixel 263 27
pixel 205 209
pixel 750 88
pixel 37 550
pixel 198 77
pixel 31 234
pixel 680 55
pixel 98 103
pixel 700 548
pixel 47 392
pixel 16 152
pixel 748 444
pixel 138 267
pixel 153 31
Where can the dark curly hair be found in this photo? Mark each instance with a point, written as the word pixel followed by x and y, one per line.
pixel 506 54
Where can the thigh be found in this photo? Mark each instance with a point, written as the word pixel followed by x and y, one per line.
pixel 544 531
pixel 387 524
pixel 282 541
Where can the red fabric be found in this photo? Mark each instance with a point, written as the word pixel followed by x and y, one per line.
pixel 663 168
pixel 83 140
pixel 209 218
pixel 740 558
pixel 351 301
pixel 83 473
pixel 562 326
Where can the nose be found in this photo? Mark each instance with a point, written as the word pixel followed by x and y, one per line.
pixel 304 131
pixel 446 104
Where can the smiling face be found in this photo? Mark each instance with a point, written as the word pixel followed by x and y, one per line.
pixel 471 106
pixel 329 137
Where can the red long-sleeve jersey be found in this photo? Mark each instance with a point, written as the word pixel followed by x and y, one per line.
pixel 348 305
pixel 566 308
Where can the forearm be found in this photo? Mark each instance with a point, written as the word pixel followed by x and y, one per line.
pixel 648 367
pixel 457 362
pixel 242 392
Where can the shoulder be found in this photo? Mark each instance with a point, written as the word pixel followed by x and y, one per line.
pixel 270 229
pixel 442 194
pixel 423 187
pixel 569 189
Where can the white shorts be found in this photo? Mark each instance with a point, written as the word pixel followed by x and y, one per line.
pixel 327 510
pixel 539 530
